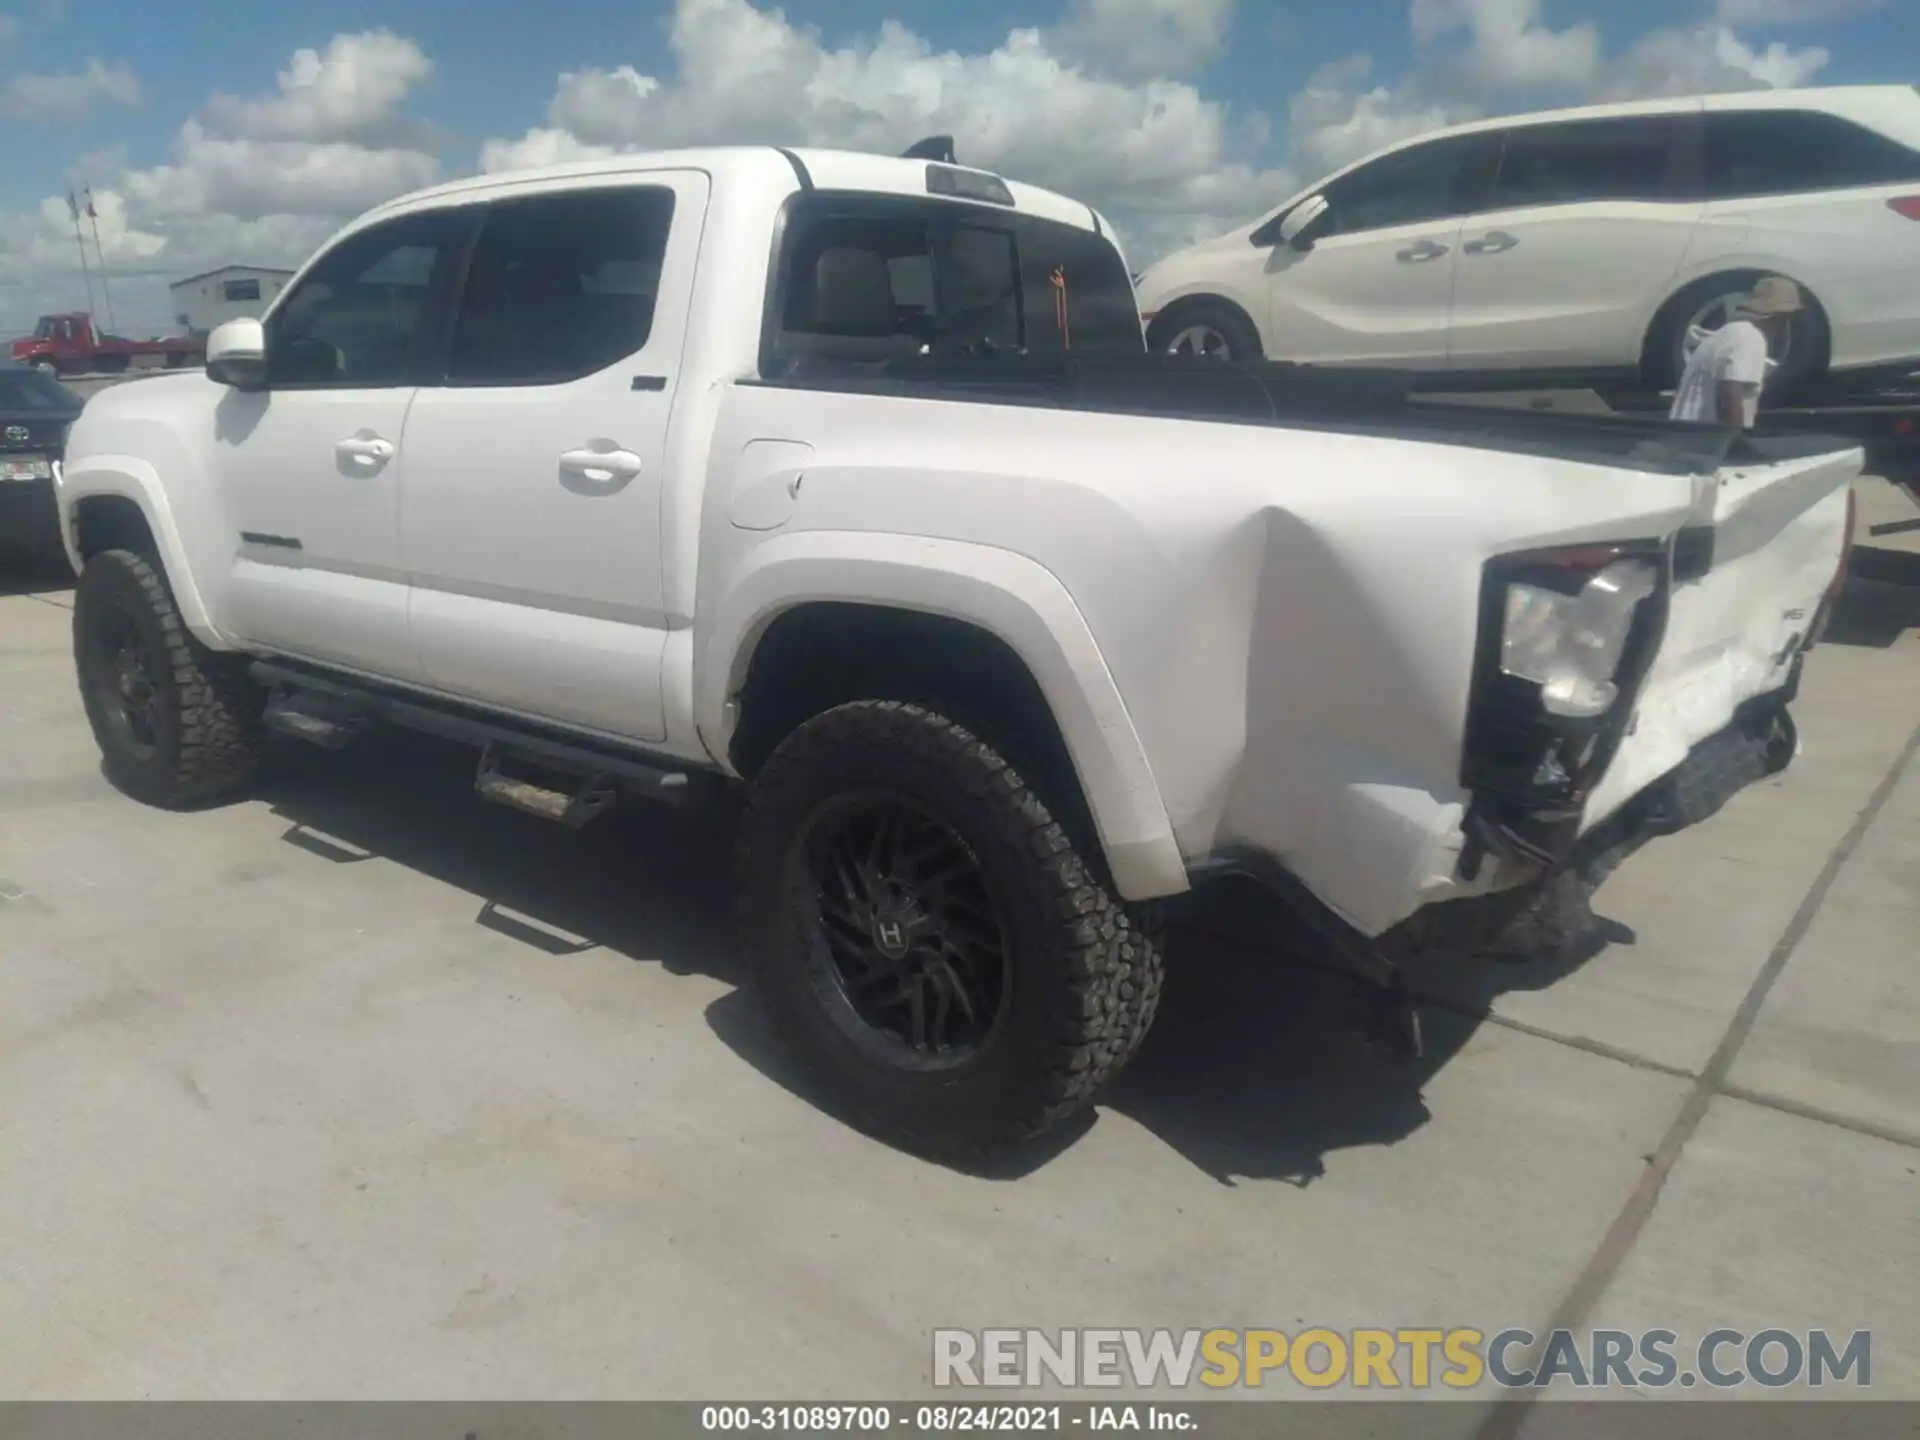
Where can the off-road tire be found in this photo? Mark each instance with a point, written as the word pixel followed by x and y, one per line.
pixel 208 735
pixel 1145 978
pixel 1084 979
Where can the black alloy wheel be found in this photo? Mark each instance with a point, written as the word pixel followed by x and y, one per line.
pixel 908 944
pixel 177 724
pixel 119 669
pixel 931 947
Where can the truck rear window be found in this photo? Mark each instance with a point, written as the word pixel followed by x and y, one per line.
pixel 864 279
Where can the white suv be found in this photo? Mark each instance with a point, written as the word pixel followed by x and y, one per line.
pixel 1585 241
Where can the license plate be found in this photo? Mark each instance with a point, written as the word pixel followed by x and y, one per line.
pixel 26 467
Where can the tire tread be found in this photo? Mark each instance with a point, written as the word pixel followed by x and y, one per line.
pixel 1114 971
pixel 217 706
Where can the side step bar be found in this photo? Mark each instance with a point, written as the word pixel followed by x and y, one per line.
pixel 330 712
pixel 595 796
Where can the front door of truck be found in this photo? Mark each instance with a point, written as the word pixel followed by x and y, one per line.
pixel 309 469
pixel 537 461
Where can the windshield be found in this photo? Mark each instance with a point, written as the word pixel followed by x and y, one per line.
pixel 30 390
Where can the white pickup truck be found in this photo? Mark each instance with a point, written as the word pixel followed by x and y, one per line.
pixel 848 478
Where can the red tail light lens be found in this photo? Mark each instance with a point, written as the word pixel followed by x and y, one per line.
pixel 1907 205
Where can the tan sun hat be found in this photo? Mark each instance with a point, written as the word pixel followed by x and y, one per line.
pixel 1774 295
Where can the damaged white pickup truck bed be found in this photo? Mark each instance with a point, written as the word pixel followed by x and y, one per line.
pixel 865 495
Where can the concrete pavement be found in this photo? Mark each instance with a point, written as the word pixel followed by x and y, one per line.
pixel 363 1088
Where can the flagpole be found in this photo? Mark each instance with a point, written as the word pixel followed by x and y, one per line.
pixel 93 216
pixel 86 272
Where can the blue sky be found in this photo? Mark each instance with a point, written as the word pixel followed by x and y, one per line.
pixel 495 65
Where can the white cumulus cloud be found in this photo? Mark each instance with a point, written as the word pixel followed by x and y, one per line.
pixel 1144 39
pixel 1167 163
pixel 1792 12
pixel 258 179
pixel 68 97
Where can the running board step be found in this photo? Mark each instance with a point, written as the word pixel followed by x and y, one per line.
pixel 595 796
pixel 324 720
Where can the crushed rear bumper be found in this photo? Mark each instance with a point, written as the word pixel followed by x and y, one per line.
pixel 1549 913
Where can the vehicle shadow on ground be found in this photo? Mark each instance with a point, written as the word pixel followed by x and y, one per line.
pixel 1880 601
pixel 1254 1070
pixel 40 572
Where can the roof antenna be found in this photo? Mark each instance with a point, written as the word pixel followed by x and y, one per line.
pixel 938 148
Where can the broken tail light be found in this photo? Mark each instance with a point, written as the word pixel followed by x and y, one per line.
pixel 1566 638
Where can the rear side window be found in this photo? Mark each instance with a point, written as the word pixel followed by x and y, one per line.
pixel 1626 159
pixel 560 286
pixel 865 279
pixel 1422 183
pixel 1784 152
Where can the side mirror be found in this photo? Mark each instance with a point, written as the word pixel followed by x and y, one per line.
pixel 1296 230
pixel 237 355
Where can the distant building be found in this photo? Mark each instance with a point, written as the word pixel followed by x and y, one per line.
pixel 200 302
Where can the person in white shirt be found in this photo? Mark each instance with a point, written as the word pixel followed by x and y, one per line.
pixel 1723 378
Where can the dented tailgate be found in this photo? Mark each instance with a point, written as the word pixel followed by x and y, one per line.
pixel 1773 533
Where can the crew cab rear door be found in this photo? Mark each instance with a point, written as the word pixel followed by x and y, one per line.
pixel 536 458
pixel 1754 570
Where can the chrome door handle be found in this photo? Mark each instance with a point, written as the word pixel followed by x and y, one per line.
pixel 1425 250
pixel 600 466
pixel 1492 243
pixel 365 451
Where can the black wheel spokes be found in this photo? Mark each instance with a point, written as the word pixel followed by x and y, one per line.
pixel 908 925
pixel 124 682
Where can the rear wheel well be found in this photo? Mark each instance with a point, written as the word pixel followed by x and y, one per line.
pixel 1656 360
pixel 112 522
pixel 817 656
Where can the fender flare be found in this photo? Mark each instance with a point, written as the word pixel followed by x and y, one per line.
pixel 1015 599
pixel 127 477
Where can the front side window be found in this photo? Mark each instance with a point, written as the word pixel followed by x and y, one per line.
pixel 1625 159
pixel 365 314
pixel 44 330
pixel 1781 152
pixel 863 279
pixel 1415 186
pixel 561 286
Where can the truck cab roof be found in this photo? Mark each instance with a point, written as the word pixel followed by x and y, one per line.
pixel 769 167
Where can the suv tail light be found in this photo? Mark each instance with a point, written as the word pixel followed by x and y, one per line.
pixel 1566 638
pixel 1907 205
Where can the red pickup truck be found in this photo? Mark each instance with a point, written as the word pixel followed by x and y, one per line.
pixel 69 345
